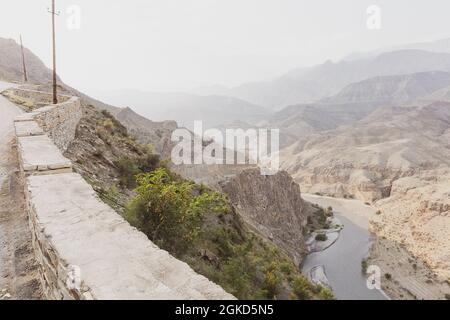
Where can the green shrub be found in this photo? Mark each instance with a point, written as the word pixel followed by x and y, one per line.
pixel 108 124
pixel 127 170
pixel 321 237
pixel 364 266
pixel 272 283
pixel 326 294
pixel 168 211
pixel 110 196
pixel 148 162
pixel 302 288
pixel 237 277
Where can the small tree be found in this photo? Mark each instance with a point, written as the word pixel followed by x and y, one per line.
pixel 302 288
pixel 321 237
pixel 271 283
pixel 170 211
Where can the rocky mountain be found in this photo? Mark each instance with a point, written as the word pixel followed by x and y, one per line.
pixel 357 101
pixel 396 90
pixel 271 205
pixel 417 215
pixel 439 95
pixel 307 85
pixel 40 77
pixel 11 64
pixel 148 132
pixel 440 46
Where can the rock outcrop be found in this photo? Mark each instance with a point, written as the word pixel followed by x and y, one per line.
pixel 146 131
pixel 417 215
pixel 271 205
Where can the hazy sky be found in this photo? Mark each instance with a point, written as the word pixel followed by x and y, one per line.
pixel 181 44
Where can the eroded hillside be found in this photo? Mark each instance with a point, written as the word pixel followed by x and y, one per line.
pixel 273 206
pixel 222 247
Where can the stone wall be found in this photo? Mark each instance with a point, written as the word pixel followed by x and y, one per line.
pixel 84 248
pixel 273 206
pixel 58 121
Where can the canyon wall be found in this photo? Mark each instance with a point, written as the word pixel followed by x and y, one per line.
pixel 272 205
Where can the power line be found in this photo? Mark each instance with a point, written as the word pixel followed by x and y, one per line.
pixel 55 89
pixel 23 61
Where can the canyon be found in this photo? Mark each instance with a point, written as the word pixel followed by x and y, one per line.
pixel 374 128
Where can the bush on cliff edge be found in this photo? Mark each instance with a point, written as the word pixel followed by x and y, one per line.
pixel 197 225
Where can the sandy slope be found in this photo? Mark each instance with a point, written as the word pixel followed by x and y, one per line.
pixel 417 214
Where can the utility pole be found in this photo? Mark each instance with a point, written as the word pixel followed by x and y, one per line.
pixel 23 61
pixel 55 89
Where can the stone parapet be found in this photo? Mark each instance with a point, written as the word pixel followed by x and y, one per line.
pixel 58 121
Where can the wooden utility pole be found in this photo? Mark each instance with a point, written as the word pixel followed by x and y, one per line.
pixel 23 61
pixel 55 89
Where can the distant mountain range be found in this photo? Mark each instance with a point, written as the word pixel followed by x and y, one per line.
pixel 308 85
pixel 255 102
pixel 185 108
pixel 358 100
pixel 442 46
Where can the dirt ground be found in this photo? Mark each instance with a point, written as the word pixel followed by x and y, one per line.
pixel 409 277
pixel 18 268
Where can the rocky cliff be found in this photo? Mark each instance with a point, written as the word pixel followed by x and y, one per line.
pixel 417 215
pixel 273 206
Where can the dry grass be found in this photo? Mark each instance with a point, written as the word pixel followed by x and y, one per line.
pixel 26 104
